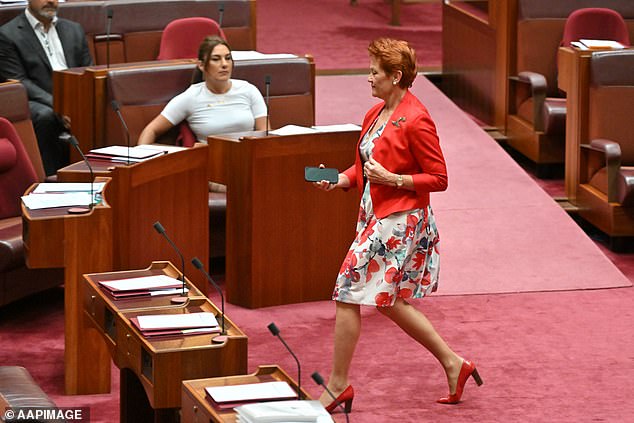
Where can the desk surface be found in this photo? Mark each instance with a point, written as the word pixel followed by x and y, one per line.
pixel 195 406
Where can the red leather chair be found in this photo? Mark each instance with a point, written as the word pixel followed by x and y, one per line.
pixel 182 37
pixel 16 171
pixel 595 23
pixel 16 175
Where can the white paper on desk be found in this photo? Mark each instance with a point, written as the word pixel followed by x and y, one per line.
pixel 142 283
pixel 177 321
pixel 161 148
pixel 250 391
pixel 256 55
pixel 343 127
pixel 283 411
pixel 124 152
pixel 65 187
pixel 607 44
pixel 47 201
pixel 293 130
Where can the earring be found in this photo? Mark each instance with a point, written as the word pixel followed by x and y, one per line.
pixel 394 82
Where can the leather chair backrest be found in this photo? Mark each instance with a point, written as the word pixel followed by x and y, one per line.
pixel 142 93
pixel 181 37
pixel 14 106
pixel 16 171
pixel 611 100
pixel 595 23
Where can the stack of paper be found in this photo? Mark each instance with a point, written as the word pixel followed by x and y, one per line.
pixel 585 44
pixel 142 287
pixel 283 412
pixel 122 154
pixel 225 397
pixel 176 324
pixel 298 130
pixel 50 195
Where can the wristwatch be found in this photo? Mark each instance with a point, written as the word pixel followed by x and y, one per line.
pixel 399 181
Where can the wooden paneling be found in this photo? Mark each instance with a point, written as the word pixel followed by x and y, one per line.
pixel 285 239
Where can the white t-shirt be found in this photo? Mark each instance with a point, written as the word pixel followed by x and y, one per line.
pixel 208 113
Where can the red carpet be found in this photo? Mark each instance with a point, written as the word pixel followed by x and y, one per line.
pixel 337 34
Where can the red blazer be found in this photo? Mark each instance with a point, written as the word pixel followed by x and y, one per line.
pixel 408 146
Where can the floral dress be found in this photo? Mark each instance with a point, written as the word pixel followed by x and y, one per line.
pixel 396 256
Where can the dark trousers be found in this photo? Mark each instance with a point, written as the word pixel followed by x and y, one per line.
pixel 48 127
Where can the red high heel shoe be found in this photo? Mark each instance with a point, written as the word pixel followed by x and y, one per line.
pixel 345 397
pixel 468 369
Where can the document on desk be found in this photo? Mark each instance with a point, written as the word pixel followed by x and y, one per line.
pixel 238 55
pixel 145 283
pixel 52 200
pixel 298 130
pixel 283 411
pixel 120 153
pixel 177 321
pixel 156 325
pixel 67 187
pixel 250 392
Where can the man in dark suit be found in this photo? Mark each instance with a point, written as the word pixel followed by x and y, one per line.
pixel 32 45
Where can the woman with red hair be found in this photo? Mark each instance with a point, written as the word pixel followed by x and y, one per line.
pixel 395 256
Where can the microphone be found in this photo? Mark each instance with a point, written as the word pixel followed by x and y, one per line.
pixel 70 139
pixel 221 13
pixel 117 109
pixel 320 381
pixel 267 84
pixel 223 335
pixel 109 13
pixel 161 230
pixel 276 332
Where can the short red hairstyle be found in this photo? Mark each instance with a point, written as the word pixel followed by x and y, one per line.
pixel 395 55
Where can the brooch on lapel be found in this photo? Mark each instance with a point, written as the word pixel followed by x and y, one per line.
pixel 396 122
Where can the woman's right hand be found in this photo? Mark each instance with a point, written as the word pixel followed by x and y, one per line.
pixel 342 182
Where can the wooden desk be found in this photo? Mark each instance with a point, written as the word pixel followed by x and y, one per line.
pixel 171 189
pixel 152 369
pixel 79 244
pixel 574 78
pixel 285 239
pixel 196 408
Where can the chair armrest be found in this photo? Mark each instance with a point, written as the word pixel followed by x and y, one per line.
pixel 611 152
pixel 538 88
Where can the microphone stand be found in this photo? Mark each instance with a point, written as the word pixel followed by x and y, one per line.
pixel 183 298
pixel 320 381
pixel 267 84
pixel 109 13
pixel 221 13
pixel 69 138
pixel 276 332
pixel 223 335
pixel 117 109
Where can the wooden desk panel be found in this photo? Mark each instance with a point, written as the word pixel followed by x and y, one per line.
pixel 171 189
pixel 574 79
pixel 153 368
pixel 79 244
pixel 286 240
pixel 196 408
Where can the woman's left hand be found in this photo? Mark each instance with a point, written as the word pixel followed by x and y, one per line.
pixel 377 174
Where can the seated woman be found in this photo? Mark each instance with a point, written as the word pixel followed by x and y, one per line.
pixel 217 105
